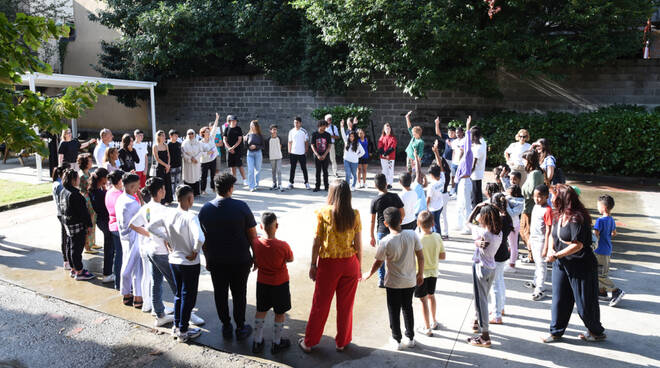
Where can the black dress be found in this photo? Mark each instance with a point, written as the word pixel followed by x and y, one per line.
pixel 161 173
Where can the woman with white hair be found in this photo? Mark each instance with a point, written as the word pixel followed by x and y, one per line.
pixel 192 167
pixel 514 152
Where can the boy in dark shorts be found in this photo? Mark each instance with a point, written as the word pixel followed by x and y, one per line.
pixel 433 250
pixel 271 256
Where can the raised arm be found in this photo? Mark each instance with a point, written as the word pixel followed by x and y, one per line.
pixel 344 136
pixel 87 143
pixel 438 132
pixel 408 122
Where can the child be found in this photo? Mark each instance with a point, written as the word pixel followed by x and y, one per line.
pixel 364 160
pixel 515 178
pixel 183 234
pixel 540 227
pixel 416 146
pixel 501 174
pixel 271 256
pixel 409 199
pixel 491 189
pixel 418 187
pixel 434 195
pixel 516 203
pixel 275 157
pixel 487 237
pixel 320 145
pixel 399 250
pixel 352 152
pixel 501 257
pixel 605 230
pixel 384 200
pixel 433 250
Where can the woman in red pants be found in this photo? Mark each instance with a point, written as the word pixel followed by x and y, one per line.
pixel 336 260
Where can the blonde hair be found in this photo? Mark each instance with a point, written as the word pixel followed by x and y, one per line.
pixel 108 152
pixel 417 129
pixel 254 124
pixel 64 133
pixel 522 132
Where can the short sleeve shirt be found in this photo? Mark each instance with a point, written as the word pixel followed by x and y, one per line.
pixel 605 225
pixel 398 253
pixel 232 135
pixel 421 198
pixel 335 244
pixel 415 146
pixel 321 142
pixel 378 206
pixel 141 150
pixel 271 256
pixel 540 220
pixel 432 247
pixel 298 137
pixel 69 150
pixel 434 192
pixel 175 154
pixel 216 140
pixel 409 199
pixel 479 153
pixel 581 263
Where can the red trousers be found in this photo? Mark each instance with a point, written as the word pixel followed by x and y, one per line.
pixel 143 178
pixel 334 275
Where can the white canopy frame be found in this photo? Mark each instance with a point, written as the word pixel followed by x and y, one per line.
pixel 33 80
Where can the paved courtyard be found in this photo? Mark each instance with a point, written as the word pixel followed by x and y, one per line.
pixel 30 258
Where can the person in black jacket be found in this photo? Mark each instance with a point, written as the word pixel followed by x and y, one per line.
pixel 97 193
pixel 77 223
pixel 57 189
pixel 128 157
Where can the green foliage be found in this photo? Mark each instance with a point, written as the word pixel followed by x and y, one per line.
pixel 452 44
pixel 616 140
pixel 455 124
pixel 343 112
pixel 22 110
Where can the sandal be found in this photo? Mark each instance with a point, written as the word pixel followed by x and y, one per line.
pixel 303 347
pixel 475 326
pixel 91 251
pixel 138 305
pixel 550 338
pixel 128 300
pixel 478 341
pixel 591 338
pixel 496 321
pixel 529 285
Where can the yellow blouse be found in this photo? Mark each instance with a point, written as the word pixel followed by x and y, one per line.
pixel 335 244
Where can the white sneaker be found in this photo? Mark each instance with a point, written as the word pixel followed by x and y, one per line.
pixel 108 279
pixel 395 345
pixel 466 232
pixel 281 189
pixel 66 266
pixel 352 189
pixel 307 186
pixel 425 331
pixel 162 321
pixel 169 310
pixel 245 182
pixel 146 308
pixel 175 331
pixel 196 320
pixel 509 269
pixel 192 333
pixel 290 186
pixel 436 326
pixel 409 343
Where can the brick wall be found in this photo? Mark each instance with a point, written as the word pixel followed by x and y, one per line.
pixel 192 102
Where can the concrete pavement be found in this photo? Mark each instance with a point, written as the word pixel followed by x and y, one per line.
pixel 30 257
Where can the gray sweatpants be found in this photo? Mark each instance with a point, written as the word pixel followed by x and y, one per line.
pixel 276 170
pixel 482 279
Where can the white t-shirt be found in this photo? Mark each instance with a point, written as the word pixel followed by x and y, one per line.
pixel 298 137
pixel 332 130
pixel 516 150
pixel 141 150
pixel 398 252
pixel 274 148
pixel 456 145
pixel 434 192
pixel 148 214
pixel 99 151
pixel 479 153
pixel 409 199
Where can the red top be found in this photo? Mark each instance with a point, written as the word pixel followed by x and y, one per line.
pixel 271 256
pixel 386 142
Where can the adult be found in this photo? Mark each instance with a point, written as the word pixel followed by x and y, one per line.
pixel 447 140
pixel 479 152
pixel 456 154
pixel 387 151
pixel 191 150
pixel 352 152
pixel 114 254
pixel 85 163
pixel 176 162
pixel 102 146
pixel 208 154
pixel 128 157
pixel 547 162
pixel 161 153
pixel 335 268
pixel 255 145
pixel 142 151
pixel 534 179
pixel 233 140
pixel 298 145
pixel 230 230
pixel 463 180
pixel 69 148
pixel 111 159
pixel 574 267
pixel 514 152
pixel 97 193
pixel 334 134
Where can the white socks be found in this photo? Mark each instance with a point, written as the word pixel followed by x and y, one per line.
pixel 258 330
pixel 277 332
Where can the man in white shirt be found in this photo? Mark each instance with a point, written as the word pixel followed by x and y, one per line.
pixel 298 145
pixel 334 134
pixel 456 154
pixel 141 149
pixel 479 150
pixel 104 144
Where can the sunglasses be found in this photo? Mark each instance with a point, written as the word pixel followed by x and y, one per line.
pixel 523 136
pixel 191 133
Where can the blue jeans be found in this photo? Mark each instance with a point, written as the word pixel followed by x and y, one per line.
pixel 116 241
pixel 436 220
pixel 254 159
pixel 381 270
pixel 351 170
pixel 186 279
pixel 161 269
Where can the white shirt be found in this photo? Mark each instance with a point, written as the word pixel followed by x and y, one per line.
pixel 125 208
pixel 274 148
pixel 332 129
pixel 149 213
pixel 398 252
pixel 182 231
pixel 434 192
pixel 298 137
pixel 456 145
pixel 409 199
pixel 99 151
pixel 353 156
pixel 141 150
pixel 479 153
pixel 516 150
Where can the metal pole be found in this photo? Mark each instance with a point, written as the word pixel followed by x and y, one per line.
pixel 152 101
pixel 74 128
pixel 37 157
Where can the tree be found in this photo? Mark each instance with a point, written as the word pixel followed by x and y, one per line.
pixel 22 110
pixel 453 44
pixel 175 39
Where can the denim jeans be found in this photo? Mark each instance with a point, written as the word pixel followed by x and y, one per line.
pixel 117 254
pixel 351 170
pixel 436 221
pixel 381 270
pixel 160 269
pixel 254 160
pixel 186 279
pixel 497 297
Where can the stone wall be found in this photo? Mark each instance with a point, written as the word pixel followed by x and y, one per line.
pixel 192 102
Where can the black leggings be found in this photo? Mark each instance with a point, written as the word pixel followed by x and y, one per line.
pixel 74 248
pixel 208 170
pixel 108 246
pixel 234 277
pixel 399 300
pixel 160 172
pixel 64 238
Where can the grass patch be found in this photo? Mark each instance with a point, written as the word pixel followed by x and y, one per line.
pixel 12 191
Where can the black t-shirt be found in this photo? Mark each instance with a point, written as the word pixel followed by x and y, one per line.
pixel 378 206
pixel 225 223
pixel 321 142
pixel 581 262
pixel 503 251
pixel 128 159
pixel 70 150
pixel 232 135
pixel 175 154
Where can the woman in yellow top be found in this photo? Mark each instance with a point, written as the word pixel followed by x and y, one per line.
pixel 336 260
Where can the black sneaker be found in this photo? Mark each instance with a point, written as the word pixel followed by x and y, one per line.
pixel 602 295
pixel 529 285
pixel 273 187
pixel 257 347
pixel 617 295
pixel 316 190
pixel 243 332
pixel 389 187
pixel 227 331
pixel 283 345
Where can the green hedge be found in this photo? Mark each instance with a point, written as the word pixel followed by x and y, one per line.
pixel 616 140
pixel 340 112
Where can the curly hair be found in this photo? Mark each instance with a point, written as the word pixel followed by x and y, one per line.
pixel 84 161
